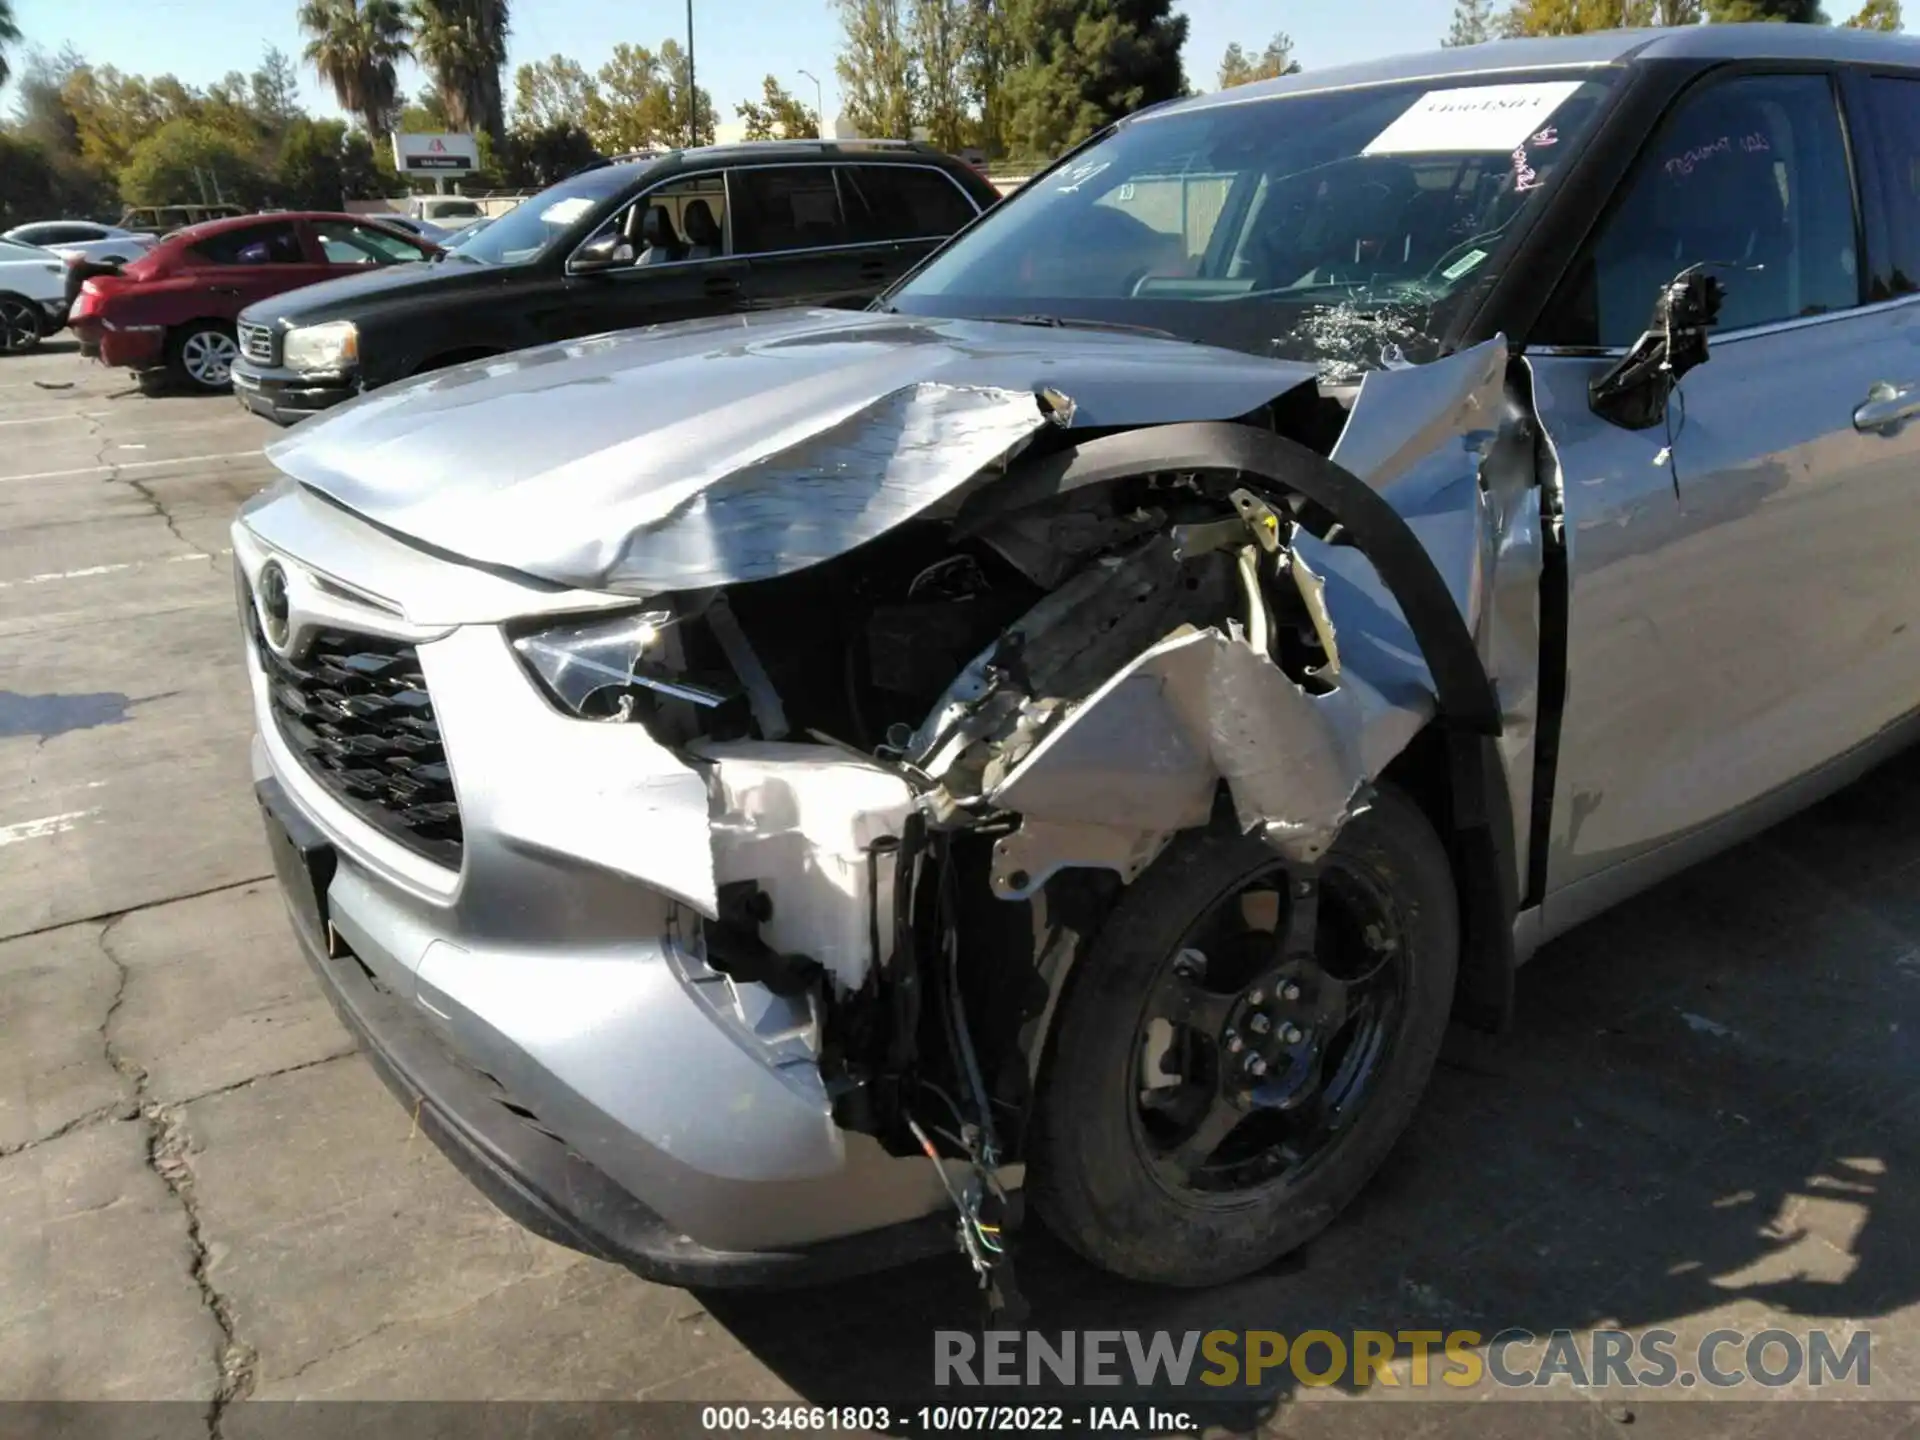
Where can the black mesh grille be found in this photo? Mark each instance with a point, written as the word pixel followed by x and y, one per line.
pixel 354 708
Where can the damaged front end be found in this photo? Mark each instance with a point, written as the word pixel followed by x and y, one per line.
pixel 940 735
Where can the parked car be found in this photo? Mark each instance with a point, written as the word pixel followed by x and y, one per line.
pixel 33 296
pixel 444 210
pixel 1094 717
pixel 424 229
pixel 456 238
pixel 174 307
pixel 720 231
pixel 85 239
pixel 163 219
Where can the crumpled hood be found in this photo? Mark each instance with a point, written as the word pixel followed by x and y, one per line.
pixel 718 451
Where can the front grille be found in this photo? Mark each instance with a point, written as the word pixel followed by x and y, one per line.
pixel 354 708
pixel 256 343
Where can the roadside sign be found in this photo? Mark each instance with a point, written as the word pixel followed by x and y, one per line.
pixel 436 154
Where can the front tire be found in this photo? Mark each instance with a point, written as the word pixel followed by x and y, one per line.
pixel 1218 1092
pixel 201 355
pixel 19 325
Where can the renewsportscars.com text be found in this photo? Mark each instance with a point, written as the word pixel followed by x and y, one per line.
pixel 1416 1359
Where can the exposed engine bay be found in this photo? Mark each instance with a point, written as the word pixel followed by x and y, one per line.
pixel 934 760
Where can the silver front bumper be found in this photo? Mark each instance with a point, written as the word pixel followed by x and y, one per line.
pixel 548 964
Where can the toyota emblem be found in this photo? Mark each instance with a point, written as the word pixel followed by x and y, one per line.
pixel 276 614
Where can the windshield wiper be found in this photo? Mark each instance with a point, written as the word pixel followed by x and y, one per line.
pixel 1073 322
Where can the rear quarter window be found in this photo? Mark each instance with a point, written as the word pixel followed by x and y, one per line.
pixel 909 202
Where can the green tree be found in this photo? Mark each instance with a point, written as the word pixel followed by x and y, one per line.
pixel 9 36
pixel 273 90
pixel 631 102
pixel 1795 12
pixel 552 92
pixel 1877 15
pixel 990 58
pixel 547 153
pixel 1087 63
pixel 354 46
pixel 879 72
pixel 1473 23
pixel 1276 60
pixel 425 114
pixel 188 161
pixel 463 45
pixel 777 115
pixel 673 124
pixel 939 31
pixel 311 172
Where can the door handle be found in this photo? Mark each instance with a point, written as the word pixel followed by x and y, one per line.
pixel 1886 407
pixel 722 285
pixel 223 290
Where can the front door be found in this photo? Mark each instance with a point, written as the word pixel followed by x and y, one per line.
pixel 680 266
pixel 1743 595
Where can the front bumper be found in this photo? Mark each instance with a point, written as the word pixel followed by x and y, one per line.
pixel 580 1063
pixel 286 396
pixel 531 1175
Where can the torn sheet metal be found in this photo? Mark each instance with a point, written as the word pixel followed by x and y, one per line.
pixel 1142 758
pixel 679 456
pixel 816 829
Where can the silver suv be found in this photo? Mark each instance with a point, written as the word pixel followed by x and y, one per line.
pixel 770 792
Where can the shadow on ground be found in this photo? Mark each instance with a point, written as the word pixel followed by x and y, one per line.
pixel 1707 1100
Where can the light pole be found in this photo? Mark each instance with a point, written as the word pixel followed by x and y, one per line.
pixel 693 90
pixel 819 106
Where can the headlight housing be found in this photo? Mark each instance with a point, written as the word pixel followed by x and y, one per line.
pixel 332 346
pixel 602 667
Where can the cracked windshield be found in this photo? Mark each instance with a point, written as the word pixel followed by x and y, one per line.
pixel 1343 228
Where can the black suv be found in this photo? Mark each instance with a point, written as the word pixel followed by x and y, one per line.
pixel 704 232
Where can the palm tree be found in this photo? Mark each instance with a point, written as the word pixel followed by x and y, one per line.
pixel 9 35
pixel 463 45
pixel 354 45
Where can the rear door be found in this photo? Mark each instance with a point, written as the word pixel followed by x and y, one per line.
pixel 251 262
pixel 911 208
pixel 1742 581
pixel 794 224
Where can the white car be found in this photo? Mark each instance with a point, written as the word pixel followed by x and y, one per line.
pixel 102 244
pixel 33 296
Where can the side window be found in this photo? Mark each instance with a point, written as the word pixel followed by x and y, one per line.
pixel 1896 108
pixel 786 207
pixel 346 244
pixel 276 244
pixel 1749 175
pixel 908 202
pixel 683 220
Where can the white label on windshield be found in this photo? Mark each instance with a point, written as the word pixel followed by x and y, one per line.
pixel 1464 264
pixel 1476 118
pixel 565 212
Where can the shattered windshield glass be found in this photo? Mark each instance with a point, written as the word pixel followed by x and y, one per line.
pixel 1342 227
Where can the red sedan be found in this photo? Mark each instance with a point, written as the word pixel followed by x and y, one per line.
pixel 174 307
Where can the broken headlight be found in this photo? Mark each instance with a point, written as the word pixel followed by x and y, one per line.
pixel 598 668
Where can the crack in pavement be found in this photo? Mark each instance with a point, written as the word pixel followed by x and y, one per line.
pixel 143 489
pixel 167 1147
pixel 234 1085
pixel 110 916
pixel 121 1109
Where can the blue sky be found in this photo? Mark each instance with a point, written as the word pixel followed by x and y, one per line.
pixel 736 41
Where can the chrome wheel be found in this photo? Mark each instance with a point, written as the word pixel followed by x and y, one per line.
pixel 19 326
pixel 207 356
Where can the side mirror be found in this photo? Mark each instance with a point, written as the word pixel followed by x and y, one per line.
pixel 603 252
pixel 1634 393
